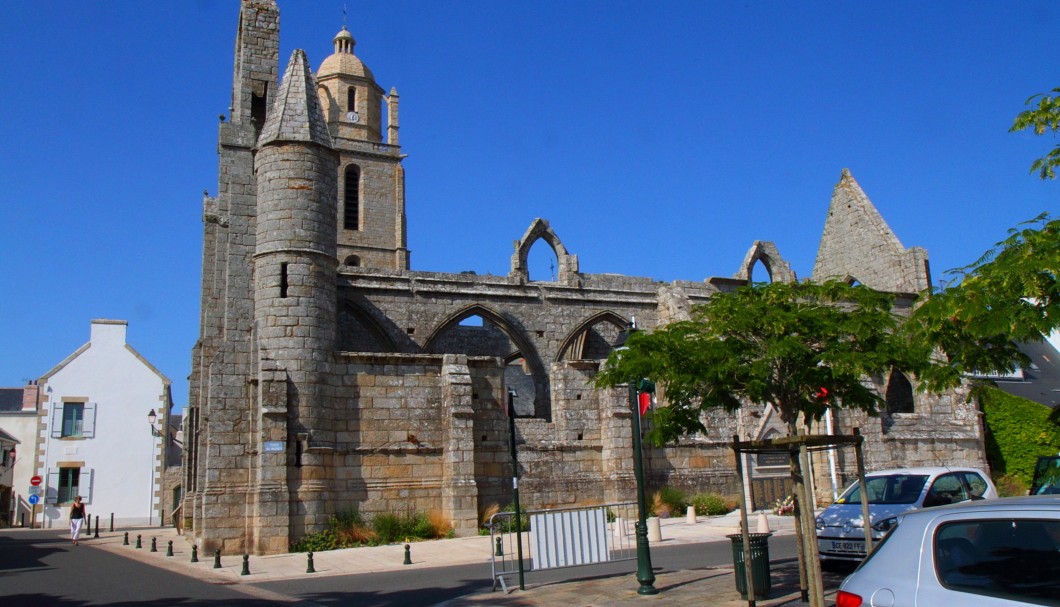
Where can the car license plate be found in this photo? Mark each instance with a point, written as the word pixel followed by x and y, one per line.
pixel 847 546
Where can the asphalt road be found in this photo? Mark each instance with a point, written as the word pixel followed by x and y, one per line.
pixel 41 568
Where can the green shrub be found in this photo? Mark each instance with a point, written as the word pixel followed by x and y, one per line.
pixel 388 527
pixel 712 504
pixel 675 499
pixel 1018 432
pixel 507 524
pixel 317 542
pixel 1010 485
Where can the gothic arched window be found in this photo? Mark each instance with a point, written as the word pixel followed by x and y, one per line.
pixel 899 393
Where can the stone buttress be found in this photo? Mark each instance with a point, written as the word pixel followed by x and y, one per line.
pixel 219 406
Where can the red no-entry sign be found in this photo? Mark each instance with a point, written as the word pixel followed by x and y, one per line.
pixel 36 480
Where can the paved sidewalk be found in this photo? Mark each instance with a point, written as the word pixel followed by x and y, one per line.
pixel 713 586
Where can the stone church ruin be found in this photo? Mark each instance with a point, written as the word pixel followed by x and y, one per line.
pixel 329 376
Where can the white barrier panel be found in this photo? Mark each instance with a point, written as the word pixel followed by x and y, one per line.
pixel 567 538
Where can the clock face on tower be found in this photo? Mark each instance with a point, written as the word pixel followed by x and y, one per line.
pixel 353 117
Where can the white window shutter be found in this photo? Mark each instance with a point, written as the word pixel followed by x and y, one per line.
pixel 57 420
pixel 51 490
pixel 84 488
pixel 88 423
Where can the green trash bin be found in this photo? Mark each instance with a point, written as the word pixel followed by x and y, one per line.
pixel 759 564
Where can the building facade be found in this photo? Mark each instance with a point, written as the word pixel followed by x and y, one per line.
pixel 101 432
pixel 18 442
pixel 329 376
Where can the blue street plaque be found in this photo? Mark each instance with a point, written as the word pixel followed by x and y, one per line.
pixel 34 499
pixel 274 446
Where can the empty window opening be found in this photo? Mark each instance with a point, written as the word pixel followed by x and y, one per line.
pixel 541 262
pixel 351 99
pixel 410 331
pixel 759 272
pixel 283 279
pixel 258 102
pixel 351 207
pixel 579 436
pixel 899 393
pixel 472 321
pixel 577 397
pixel 483 438
pixel 353 261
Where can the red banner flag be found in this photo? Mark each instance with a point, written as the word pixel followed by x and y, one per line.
pixel 645 401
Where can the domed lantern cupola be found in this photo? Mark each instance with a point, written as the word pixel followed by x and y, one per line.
pixel 351 98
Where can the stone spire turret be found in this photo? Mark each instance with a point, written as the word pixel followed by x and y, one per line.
pixel 294 304
pixel 296 114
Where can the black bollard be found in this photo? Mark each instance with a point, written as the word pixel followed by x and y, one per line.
pixel 309 568
pixel 246 565
pixel 96 534
pixel 154 546
pixel 500 550
pixel 112 522
pixel 162 519
pixel 88 525
pixel 217 559
pixel 408 555
pixel 138 544
pixel 194 553
pixel 126 541
pixel 169 551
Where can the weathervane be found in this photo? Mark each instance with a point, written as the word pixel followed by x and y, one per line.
pixel 343 15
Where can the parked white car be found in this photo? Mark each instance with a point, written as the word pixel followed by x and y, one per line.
pixel 996 553
pixel 840 530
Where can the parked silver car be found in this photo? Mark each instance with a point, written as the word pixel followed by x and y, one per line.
pixel 840 530
pixel 995 553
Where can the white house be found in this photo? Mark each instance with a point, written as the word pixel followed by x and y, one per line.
pixel 103 420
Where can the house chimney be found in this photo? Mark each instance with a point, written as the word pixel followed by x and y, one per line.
pixel 30 396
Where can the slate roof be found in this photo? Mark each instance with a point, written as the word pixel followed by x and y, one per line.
pixel 10 399
pixel 1041 377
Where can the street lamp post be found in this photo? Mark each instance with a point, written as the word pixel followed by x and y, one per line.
pixel 151 419
pixel 515 484
pixel 645 574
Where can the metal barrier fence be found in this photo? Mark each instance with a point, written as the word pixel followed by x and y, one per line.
pixel 563 537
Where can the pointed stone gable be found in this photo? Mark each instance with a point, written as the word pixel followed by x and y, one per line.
pixel 296 115
pixel 858 245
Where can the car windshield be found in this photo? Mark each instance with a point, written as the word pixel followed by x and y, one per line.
pixel 890 489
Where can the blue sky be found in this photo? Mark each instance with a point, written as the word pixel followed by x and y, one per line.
pixel 658 138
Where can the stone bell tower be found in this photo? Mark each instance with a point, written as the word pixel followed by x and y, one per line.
pixel 371 180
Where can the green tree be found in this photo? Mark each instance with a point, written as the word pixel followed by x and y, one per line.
pixel 1008 295
pixel 778 343
pixel 1043 116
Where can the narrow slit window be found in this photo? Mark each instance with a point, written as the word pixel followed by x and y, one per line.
pixel 351 207
pixel 283 279
pixel 351 99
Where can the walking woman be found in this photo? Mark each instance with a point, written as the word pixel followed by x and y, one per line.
pixel 77 516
